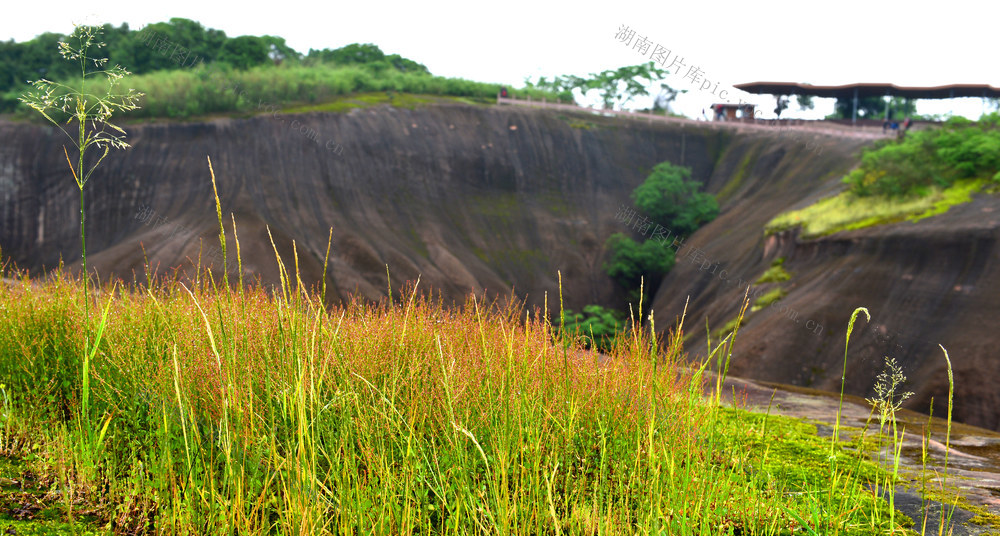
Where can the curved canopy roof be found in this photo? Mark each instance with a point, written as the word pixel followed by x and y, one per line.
pixel 872 90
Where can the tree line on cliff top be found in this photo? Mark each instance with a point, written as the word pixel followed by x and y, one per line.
pixel 180 42
pixel 171 62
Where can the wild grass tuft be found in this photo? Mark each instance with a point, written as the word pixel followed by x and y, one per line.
pixel 254 412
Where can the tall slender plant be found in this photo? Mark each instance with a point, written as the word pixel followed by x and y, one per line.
pixel 91 107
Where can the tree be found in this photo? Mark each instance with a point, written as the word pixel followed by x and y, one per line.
pixel 142 49
pixel 623 84
pixel 405 65
pixel 874 108
pixel 366 55
pixel 632 264
pixel 780 104
pixel 666 97
pixel 615 86
pixel 245 51
pixel 805 102
pixel 354 54
pixel 278 51
pixel 596 326
pixel 671 200
pixel 558 84
pixel 33 59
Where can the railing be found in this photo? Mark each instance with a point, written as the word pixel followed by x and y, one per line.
pixel 799 125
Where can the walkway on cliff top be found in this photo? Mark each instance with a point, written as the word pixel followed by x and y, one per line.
pixel 761 125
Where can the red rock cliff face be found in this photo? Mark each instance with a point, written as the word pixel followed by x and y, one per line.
pixel 469 198
pixel 472 198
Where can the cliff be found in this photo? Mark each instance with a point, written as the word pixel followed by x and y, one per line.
pixel 925 283
pixel 467 198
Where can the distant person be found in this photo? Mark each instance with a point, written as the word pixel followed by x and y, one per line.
pixel 503 92
pixel 720 113
pixel 782 104
pixel 704 116
pixel 885 126
pixel 906 128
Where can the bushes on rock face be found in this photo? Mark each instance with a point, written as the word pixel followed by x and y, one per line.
pixel 631 262
pixel 960 149
pixel 671 199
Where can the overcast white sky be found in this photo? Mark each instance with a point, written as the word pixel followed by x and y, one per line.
pixel 834 42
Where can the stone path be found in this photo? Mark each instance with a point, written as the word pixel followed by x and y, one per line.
pixel 973 459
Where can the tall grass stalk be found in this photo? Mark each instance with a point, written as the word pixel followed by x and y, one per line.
pixel 723 367
pixel 843 377
pixel 947 444
pixel 55 102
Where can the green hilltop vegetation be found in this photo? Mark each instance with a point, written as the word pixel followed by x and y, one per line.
pixel 922 175
pixel 186 70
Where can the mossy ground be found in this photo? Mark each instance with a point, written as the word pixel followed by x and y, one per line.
pixel 775 274
pixel 768 298
pixel 29 507
pixel 846 211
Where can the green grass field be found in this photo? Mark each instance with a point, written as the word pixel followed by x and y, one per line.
pixel 210 410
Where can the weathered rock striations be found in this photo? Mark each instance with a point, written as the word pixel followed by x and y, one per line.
pixel 467 197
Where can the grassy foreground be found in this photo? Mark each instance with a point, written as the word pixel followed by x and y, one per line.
pixel 215 411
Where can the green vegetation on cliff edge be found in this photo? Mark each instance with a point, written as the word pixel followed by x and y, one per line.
pixel 220 75
pixel 922 175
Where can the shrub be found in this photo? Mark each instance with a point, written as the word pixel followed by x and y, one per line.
pixel 633 265
pixel 670 199
pixel 960 149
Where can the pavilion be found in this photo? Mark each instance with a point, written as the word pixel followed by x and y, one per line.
pixel 856 91
pixel 732 112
